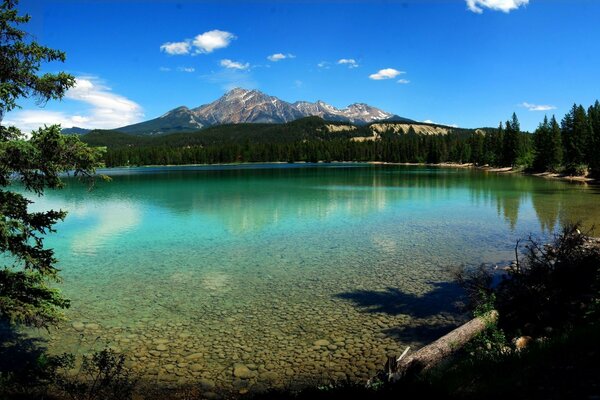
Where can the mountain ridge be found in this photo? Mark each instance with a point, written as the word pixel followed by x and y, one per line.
pixel 253 106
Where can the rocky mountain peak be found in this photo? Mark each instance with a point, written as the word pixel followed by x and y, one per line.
pixel 241 105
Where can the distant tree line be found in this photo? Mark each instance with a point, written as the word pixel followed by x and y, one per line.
pixel 572 146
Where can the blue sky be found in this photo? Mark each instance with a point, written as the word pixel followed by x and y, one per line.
pixel 465 62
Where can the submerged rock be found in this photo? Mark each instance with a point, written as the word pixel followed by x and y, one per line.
pixel 78 326
pixel 242 371
pixel 268 376
pixel 161 347
pixel 193 356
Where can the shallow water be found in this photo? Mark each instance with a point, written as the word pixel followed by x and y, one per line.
pixel 298 272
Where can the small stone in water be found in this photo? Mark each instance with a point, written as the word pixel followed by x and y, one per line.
pixel 194 356
pixel 241 371
pixel 78 326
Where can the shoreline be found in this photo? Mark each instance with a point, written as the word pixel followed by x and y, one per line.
pixel 501 170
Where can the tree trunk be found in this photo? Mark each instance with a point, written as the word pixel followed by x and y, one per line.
pixel 430 355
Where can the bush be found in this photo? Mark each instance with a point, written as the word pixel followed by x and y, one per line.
pixel 551 286
pixel 102 375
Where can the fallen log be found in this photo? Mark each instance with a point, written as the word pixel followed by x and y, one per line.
pixel 432 354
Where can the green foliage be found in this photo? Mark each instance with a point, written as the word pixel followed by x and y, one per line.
pixel 553 147
pixel 491 344
pixel 555 285
pixel 32 372
pixel 552 285
pixel 511 145
pixel 548 146
pixel 576 137
pixel 103 375
pixel 594 140
pixel 25 292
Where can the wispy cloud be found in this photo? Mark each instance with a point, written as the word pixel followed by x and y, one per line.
pixel 323 64
pixel 537 107
pixel 104 109
pixel 164 69
pixel 279 56
pixel 350 62
pixel 386 73
pixel 203 43
pixel 231 78
pixel 176 48
pixel 186 69
pixel 506 6
pixel 227 63
pixel 403 81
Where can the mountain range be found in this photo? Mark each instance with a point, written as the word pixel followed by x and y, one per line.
pixel 251 106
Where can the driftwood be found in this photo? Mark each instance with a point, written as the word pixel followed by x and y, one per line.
pixel 430 355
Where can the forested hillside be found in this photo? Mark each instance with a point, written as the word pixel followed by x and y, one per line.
pixel 570 146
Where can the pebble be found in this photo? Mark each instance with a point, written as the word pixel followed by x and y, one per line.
pixel 268 376
pixel 242 371
pixel 196 367
pixel 193 356
pixel 78 326
pixel 321 343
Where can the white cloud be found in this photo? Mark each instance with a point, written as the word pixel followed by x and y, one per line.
pixel 209 41
pixel 428 121
pixel 186 69
pixel 537 107
pixel 387 73
pixel 164 69
pixel 205 42
pixel 104 109
pixel 351 62
pixel 176 48
pixel 403 81
pixel 506 6
pixel 323 64
pixel 279 56
pixel 234 64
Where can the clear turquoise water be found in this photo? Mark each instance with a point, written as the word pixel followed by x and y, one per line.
pixel 190 270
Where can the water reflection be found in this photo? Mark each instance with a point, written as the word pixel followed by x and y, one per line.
pixel 113 220
pixel 244 200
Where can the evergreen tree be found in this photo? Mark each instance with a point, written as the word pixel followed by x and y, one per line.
pixel 594 142
pixel 512 142
pixel 576 132
pixel 541 139
pixel 28 267
pixel 554 146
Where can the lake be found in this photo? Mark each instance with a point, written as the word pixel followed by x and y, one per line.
pixel 269 275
